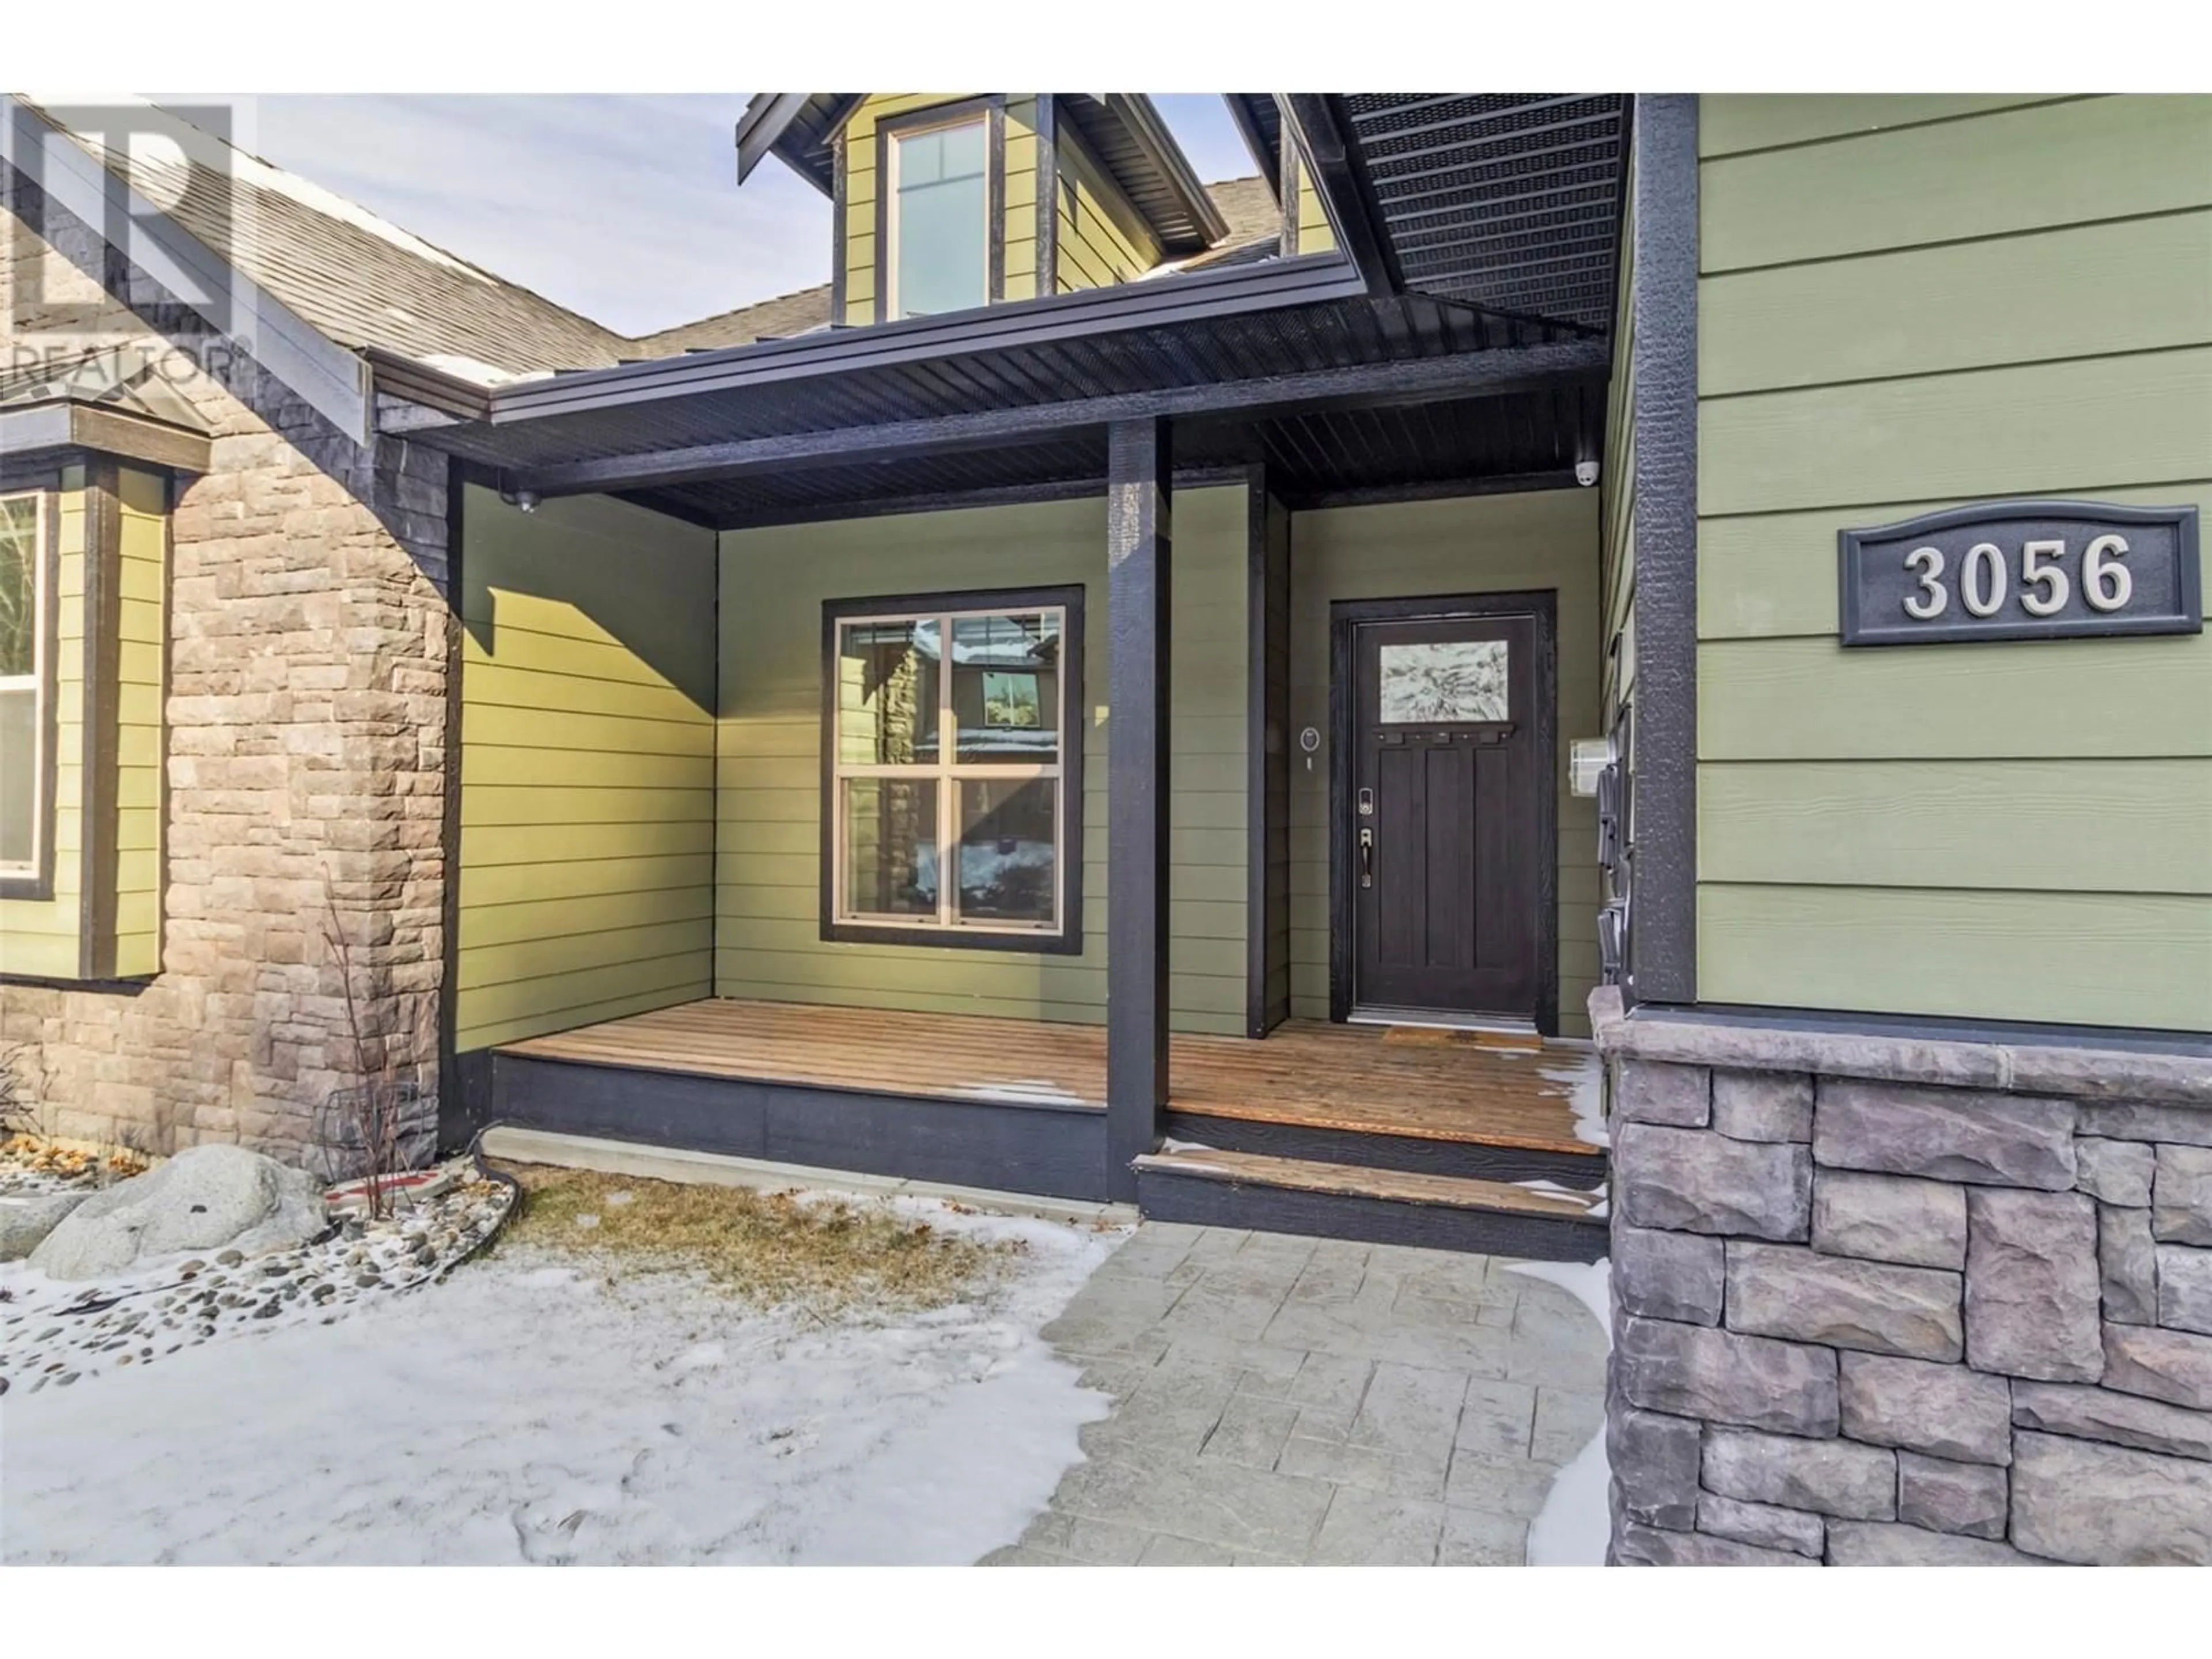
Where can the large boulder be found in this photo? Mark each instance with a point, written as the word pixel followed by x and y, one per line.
pixel 27 1218
pixel 209 1198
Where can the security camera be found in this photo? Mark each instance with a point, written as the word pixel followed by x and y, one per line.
pixel 1585 473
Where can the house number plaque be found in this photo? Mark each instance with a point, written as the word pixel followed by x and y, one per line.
pixel 2022 570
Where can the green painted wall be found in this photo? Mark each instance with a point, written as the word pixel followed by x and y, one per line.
pixel 44 938
pixel 141 629
pixel 587 765
pixel 40 936
pixel 1905 303
pixel 1476 545
pixel 768 935
pixel 1102 240
pixel 1305 210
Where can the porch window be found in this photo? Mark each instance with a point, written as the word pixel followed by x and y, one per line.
pixel 26 602
pixel 939 224
pixel 953 769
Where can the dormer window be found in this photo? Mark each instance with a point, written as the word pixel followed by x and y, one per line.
pixel 938 223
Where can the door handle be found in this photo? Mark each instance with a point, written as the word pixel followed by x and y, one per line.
pixel 1366 856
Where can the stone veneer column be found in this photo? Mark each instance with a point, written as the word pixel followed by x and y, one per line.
pixel 1879 1301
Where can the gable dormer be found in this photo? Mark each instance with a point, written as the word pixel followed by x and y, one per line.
pixel 946 201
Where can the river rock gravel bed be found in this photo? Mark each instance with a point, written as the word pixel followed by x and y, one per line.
pixel 58 1334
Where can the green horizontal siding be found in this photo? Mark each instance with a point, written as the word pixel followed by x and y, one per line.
pixel 1772 575
pixel 767 837
pixel 2094 825
pixel 1999 173
pixel 1729 126
pixel 587 765
pixel 1474 545
pixel 1905 305
pixel 2142 960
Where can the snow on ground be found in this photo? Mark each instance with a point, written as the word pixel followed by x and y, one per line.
pixel 531 1410
pixel 1576 1522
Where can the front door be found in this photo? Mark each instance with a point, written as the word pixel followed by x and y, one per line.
pixel 1447 808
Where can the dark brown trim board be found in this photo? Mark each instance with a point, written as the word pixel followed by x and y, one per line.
pixel 1140 570
pixel 992 107
pixel 39 884
pixel 1344 616
pixel 457 1121
pixel 1267 749
pixel 838 231
pixel 1068 939
pixel 1047 195
pixel 1663 945
pixel 103 602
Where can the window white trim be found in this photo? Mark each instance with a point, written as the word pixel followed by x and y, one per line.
pixel 888 184
pixel 40 684
pixel 947 772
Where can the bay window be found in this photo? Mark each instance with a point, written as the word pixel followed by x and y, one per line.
pixel 952 737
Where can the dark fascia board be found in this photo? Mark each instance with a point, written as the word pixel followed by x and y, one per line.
pixel 1138 117
pixel 765 128
pixel 65 423
pixel 1331 157
pixel 1260 123
pixel 393 375
pixel 1472 374
pixel 1165 299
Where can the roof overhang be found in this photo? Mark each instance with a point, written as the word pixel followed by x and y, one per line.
pixel 30 430
pixel 1293 366
pixel 1260 123
pixel 1124 129
pixel 1511 202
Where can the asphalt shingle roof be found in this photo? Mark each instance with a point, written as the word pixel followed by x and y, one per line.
pixel 364 281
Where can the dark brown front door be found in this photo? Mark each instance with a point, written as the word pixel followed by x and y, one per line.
pixel 1447 808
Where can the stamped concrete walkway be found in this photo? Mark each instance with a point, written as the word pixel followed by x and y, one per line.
pixel 1283 1400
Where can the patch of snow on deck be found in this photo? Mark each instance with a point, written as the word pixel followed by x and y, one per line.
pixel 1039 1089
pixel 1576 1522
pixel 1584 1076
pixel 527 1411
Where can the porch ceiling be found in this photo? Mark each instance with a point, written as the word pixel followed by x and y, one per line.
pixel 1315 448
pixel 1457 342
pixel 1507 201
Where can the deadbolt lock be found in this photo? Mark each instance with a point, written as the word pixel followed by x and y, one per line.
pixel 1367 802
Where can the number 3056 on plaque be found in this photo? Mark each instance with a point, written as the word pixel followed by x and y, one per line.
pixel 2022 570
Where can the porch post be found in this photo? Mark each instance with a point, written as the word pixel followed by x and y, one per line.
pixel 1138 568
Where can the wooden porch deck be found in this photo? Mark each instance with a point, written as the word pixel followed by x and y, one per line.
pixel 1392 1081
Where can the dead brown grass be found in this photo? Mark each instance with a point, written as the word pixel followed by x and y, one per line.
pixel 772 1249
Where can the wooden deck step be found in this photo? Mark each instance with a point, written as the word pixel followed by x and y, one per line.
pixel 1222 1188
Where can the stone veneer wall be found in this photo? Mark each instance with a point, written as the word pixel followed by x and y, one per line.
pixel 1879 1302
pixel 309 641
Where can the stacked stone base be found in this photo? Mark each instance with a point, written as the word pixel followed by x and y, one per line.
pixel 1879 1302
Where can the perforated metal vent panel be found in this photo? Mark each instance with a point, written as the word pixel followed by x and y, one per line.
pixel 1507 201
